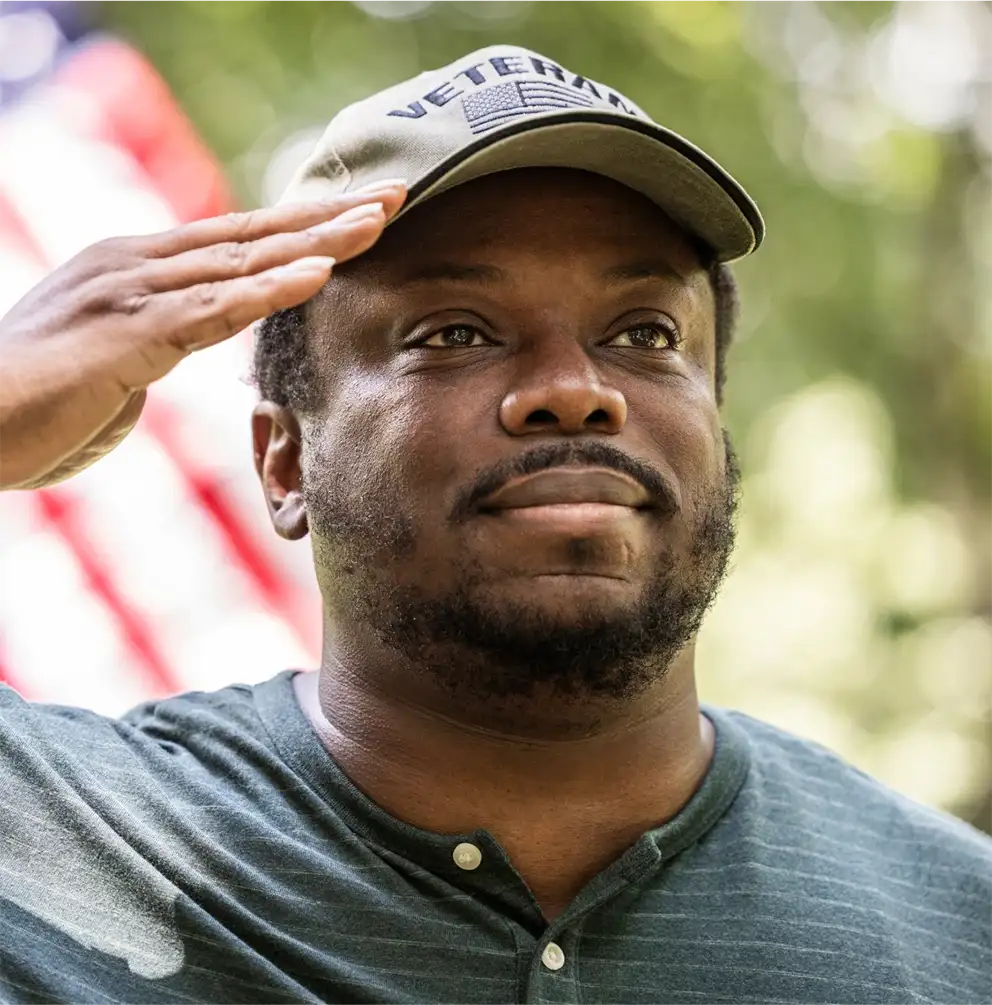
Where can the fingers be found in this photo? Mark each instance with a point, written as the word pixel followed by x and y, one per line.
pixel 203 315
pixel 340 238
pixel 243 227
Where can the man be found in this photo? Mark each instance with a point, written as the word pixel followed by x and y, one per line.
pixel 498 422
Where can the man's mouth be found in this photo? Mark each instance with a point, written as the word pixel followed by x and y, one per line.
pixel 571 491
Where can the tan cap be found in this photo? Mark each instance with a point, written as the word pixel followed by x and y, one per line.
pixel 505 107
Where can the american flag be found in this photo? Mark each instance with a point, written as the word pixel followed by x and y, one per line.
pixel 156 570
pixel 496 104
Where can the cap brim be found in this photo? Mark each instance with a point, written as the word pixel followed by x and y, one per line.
pixel 687 184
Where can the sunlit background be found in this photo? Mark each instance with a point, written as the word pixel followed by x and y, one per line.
pixel 858 610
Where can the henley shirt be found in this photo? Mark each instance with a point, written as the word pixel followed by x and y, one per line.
pixel 207 848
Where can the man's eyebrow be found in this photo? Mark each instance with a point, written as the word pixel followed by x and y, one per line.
pixel 644 268
pixel 453 272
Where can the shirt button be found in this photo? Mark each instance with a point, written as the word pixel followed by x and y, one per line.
pixel 467 856
pixel 552 957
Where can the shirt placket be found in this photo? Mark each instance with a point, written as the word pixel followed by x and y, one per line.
pixel 553 975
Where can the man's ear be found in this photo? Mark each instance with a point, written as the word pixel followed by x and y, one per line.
pixel 276 441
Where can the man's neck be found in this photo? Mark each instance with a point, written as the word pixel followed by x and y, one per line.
pixel 563 809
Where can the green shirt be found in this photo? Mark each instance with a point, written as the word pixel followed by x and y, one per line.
pixel 206 848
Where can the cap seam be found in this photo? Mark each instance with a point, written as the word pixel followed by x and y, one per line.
pixel 331 153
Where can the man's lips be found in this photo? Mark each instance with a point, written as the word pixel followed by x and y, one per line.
pixel 565 486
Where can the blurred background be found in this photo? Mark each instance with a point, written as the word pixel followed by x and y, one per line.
pixel 859 609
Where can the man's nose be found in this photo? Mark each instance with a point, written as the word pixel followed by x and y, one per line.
pixel 562 392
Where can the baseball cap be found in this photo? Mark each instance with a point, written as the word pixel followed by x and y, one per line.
pixel 504 107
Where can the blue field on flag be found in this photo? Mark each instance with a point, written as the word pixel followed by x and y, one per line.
pixel 493 106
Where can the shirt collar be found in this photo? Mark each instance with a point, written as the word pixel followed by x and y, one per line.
pixel 301 749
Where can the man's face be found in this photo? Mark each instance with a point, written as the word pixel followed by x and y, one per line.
pixel 518 464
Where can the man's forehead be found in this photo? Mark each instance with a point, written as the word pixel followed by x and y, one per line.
pixel 422 272
pixel 473 231
pixel 532 188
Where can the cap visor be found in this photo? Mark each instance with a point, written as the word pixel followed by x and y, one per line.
pixel 686 183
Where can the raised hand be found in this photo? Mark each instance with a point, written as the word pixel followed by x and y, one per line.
pixel 79 350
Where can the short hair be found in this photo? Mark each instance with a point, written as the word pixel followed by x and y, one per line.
pixel 283 369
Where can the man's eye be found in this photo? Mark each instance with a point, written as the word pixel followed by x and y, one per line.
pixel 646 337
pixel 456 337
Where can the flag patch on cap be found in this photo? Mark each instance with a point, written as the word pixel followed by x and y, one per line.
pixel 492 106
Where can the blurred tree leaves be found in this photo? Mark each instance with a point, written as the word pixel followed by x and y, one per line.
pixel 874 272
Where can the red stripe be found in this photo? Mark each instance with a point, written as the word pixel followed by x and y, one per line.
pixel 60 508
pixel 139 114
pixel 16 232
pixel 238 538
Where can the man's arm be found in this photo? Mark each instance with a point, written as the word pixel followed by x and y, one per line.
pixel 79 350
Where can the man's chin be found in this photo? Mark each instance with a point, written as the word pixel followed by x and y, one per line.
pixel 582 636
pixel 568 598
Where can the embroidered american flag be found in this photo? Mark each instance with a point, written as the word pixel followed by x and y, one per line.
pixel 493 106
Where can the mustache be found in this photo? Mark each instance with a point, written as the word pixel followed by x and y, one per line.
pixel 592 453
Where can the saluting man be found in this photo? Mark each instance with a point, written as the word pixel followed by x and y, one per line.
pixel 494 309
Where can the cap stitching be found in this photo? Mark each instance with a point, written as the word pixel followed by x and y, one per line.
pixel 330 155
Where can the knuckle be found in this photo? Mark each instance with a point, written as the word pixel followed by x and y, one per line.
pixel 314 242
pixel 107 295
pixel 97 296
pixel 131 302
pixel 234 257
pixel 205 296
pixel 242 224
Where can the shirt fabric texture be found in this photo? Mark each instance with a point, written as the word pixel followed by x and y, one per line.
pixel 206 848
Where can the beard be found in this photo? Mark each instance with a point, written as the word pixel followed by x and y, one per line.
pixel 481 650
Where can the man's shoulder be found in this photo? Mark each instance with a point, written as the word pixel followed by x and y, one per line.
pixel 232 704
pixel 147 773
pixel 151 730
pixel 793 778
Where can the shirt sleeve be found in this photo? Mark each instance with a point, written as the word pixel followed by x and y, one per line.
pixel 78 847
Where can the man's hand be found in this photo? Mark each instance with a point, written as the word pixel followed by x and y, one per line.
pixel 77 352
